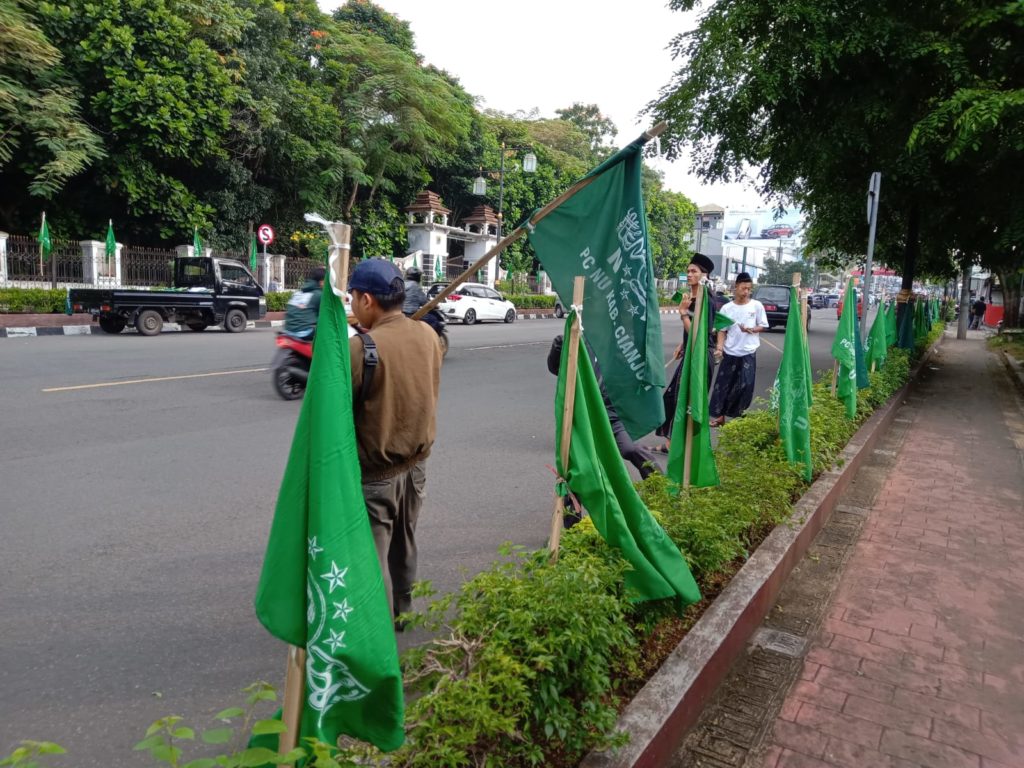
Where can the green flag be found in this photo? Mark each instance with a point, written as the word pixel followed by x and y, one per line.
pixel 878 339
pixel 844 350
pixel 45 243
pixel 438 269
pixel 601 233
pixel 693 402
pixel 861 357
pixel 110 246
pixel 598 478
pixel 252 253
pixel 321 587
pixel 722 323
pixel 791 393
pixel 890 323
pixel 197 243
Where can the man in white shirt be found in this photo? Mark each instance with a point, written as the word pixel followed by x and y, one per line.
pixel 735 353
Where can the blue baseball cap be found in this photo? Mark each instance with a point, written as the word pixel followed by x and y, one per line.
pixel 376 276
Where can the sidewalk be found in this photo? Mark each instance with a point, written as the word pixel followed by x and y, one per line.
pixel 920 662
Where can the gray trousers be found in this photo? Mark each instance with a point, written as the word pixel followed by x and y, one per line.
pixel 394 507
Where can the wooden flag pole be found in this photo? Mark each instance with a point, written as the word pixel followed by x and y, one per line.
pixel 520 231
pixel 835 375
pixel 42 273
pixel 568 408
pixel 695 328
pixel 295 669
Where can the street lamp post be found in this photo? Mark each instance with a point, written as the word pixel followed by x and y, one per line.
pixel 480 183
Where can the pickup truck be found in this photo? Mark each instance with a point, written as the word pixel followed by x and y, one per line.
pixel 207 291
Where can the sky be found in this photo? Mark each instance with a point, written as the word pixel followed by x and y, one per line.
pixel 548 54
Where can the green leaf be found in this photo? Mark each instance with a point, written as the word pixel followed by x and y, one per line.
pixel 265 727
pixel 150 742
pixel 257 756
pixel 227 714
pixel 217 735
pixel 184 733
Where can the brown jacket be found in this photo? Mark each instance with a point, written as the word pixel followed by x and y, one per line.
pixel 396 423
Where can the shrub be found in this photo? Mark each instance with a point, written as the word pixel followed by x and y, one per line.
pixel 277 301
pixel 532 300
pixel 36 300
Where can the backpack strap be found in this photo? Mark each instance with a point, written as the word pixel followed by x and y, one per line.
pixel 370 360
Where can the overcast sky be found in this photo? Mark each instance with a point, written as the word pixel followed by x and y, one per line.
pixel 547 54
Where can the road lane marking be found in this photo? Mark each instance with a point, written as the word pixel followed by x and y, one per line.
pixel 156 378
pixel 509 346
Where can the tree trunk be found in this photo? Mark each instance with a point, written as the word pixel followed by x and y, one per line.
pixel 1011 283
pixel 965 298
pixel 910 251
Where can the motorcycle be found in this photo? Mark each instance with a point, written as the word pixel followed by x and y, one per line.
pixel 435 319
pixel 291 365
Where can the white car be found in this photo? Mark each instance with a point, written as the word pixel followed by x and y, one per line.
pixel 473 302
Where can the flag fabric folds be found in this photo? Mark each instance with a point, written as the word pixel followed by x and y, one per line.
pixel 197 243
pixel 890 323
pixel 844 350
pixel 693 403
pixel 601 233
pixel 438 269
pixel 791 395
pixel 861 358
pixel 597 476
pixel 45 243
pixel 878 340
pixel 110 246
pixel 252 254
pixel 321 586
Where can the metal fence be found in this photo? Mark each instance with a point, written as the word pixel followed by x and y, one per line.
pixel 24 263
pixel 296 271
pixel 147 266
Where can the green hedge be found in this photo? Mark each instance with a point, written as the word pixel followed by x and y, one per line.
pixel 40 301
pixel 277 301
pixel 534 660
pixel 531 300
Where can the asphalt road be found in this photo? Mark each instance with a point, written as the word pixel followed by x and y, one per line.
pixel 134 516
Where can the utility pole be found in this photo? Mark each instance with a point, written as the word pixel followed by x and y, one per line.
pixel 874 187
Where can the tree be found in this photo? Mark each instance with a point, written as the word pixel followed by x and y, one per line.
pixel 371 19
pixel 43 140
pixel 820 95
pixel 588 118
pixel 781 272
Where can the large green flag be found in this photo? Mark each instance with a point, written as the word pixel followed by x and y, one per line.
pixel 197 243
pixel 878 339
pixel 321 587
pixel 598 477
pixel 252 254
pixel 438 269
pixel 110 246
pixel 791 395
pixel 45 243
pixel 601 233
pixel 693 402
pixel 844 350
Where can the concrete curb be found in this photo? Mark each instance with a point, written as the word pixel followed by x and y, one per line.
pixel 660 715
pixel 1014 367
pixel 89 330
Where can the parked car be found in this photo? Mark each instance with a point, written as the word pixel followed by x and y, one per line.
pixel 435 288
pixel 831 299
pixel 816 300
pixel 473 302
pixel 860 306
pixel 775 299
pixel 776 231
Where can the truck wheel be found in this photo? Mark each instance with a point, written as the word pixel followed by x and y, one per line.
pixel 197 326
pixel 149 322
pixel 234 321
pixel 112 324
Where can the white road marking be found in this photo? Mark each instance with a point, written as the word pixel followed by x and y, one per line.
pixel 509 346
pixel 157 378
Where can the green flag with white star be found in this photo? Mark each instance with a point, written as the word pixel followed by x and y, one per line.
pixel 45 243
pixel 791 395
pixel 878 340
pixel 438 268
pixel 197 242
pixel 252 253
pixel 321 587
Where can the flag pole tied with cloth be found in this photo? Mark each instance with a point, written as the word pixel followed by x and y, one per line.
pixel 321 588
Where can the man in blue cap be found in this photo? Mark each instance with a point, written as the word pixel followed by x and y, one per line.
pixel 394 418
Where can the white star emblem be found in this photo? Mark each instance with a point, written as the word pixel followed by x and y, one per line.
pixel 314 548
pixel 627 270
pixel 335 578
pixel 634 311
pixel 336 640
pixel 624 293
pixel 342 610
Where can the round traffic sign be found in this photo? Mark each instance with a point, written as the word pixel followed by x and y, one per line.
pixel 265 234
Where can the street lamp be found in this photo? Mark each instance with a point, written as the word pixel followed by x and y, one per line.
pixel 480 183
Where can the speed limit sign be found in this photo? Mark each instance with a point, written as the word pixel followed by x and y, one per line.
pixel 265 233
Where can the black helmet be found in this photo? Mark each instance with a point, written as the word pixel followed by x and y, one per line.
pixel 414 274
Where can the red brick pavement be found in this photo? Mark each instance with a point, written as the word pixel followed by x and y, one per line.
pixel 921 659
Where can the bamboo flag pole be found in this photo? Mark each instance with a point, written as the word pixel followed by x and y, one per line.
pixel 42 274
pixel 695 328
pixel 520 231
pixel 294 678
pixel 568 408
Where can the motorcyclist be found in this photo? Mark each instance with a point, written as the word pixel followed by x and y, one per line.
pixel 414 295
pixel 304 306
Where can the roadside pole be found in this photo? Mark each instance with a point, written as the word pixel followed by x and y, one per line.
pixel 874 187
